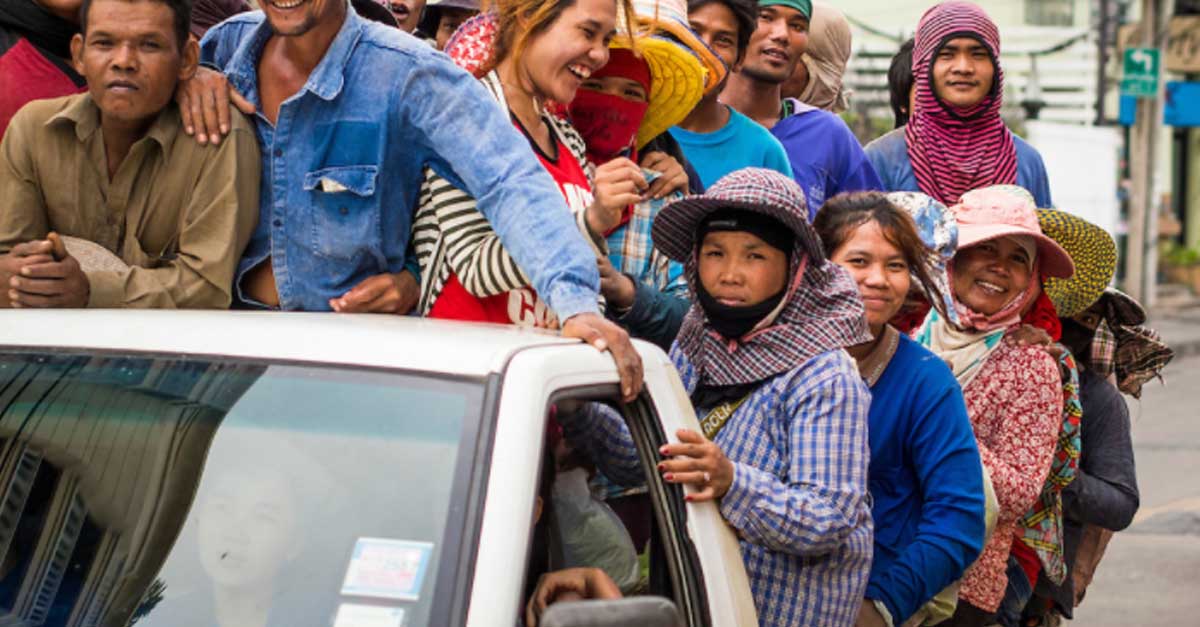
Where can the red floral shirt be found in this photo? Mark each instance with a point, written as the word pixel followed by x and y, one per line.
pixel 1015 405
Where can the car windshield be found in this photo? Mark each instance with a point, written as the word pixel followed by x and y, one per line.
pixel 144 489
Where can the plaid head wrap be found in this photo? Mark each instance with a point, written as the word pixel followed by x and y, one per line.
pixel 821 311
pixel 1123 349
pixel 955 150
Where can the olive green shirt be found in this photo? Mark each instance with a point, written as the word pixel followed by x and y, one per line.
pixel 177 212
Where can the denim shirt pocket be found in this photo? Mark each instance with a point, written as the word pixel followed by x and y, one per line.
pixel 345 219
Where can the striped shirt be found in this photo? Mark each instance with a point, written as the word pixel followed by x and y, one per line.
pixel 451 235
pixel 799 498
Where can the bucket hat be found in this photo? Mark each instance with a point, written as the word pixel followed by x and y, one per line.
pixel 999 211
pixel 751 189
pixel 938 229
pixel 1094 254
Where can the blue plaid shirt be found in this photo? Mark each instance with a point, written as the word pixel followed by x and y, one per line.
pixel 799 498
pixel 631 249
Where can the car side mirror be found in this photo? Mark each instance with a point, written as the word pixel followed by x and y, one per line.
pixel 643 611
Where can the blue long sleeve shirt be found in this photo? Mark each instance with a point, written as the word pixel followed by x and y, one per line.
pixel 341 166
pixel 926 481
pixel 798 501
pixel 889 155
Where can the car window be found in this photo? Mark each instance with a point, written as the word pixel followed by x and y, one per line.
pixel 142 489
pixel 600 524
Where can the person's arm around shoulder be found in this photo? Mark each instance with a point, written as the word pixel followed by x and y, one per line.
pixel 1021 452
pixel 215 227
pixel 823 499
pixel 207 103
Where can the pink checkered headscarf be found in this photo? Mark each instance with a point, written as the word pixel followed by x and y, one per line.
pixel 956 150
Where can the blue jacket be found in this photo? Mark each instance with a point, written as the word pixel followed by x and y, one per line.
pixel 889 155
pixel 341 167
pixel 925 479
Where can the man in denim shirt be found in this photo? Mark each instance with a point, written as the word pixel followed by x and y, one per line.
pixel 347 112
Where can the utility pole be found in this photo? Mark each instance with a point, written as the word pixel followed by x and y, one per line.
pixel 1102 61
pixel 1142 249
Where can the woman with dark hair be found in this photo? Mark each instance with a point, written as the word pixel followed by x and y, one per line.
pixel 925 477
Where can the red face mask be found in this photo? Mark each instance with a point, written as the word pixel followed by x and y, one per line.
pixel 607 123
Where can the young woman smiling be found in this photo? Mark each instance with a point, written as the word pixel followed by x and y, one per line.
pixel 782 406
pixel 925 477
pixel 1014 392
pixel 529 54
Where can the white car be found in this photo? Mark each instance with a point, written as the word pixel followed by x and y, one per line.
pixel 252 468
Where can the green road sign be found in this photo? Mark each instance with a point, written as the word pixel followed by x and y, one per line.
pixel 1140 77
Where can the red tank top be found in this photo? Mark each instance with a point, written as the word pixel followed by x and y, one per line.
pixel 522 306
pixel 27 75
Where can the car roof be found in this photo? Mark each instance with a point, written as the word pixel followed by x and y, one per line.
pixel 381 341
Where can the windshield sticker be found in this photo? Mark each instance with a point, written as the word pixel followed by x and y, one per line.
pixel 355 615
pixel 387 569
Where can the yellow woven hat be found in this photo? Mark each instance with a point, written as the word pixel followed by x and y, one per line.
pixel 1094 253
pixel 682 68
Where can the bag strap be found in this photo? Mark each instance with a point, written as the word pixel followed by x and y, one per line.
pixel 712 422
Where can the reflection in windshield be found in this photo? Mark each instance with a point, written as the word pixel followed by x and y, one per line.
pixel 174 492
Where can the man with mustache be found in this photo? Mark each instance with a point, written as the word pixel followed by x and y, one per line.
pixel 343 156
pixel 110 172
pixel 825 156
pixel 955 140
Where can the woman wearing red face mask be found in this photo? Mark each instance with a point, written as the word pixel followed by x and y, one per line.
pixel 624 110
pixel 529 54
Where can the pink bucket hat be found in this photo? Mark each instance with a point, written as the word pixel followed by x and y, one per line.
pixel 1003 210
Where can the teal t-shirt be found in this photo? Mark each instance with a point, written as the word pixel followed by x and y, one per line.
pixel 741 143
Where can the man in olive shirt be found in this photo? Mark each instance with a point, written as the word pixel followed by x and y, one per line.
pixel 112 166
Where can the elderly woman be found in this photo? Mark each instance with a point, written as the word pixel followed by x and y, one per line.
pixel 1014 392
pixel 782 405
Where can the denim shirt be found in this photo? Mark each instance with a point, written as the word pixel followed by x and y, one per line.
pixel 341 167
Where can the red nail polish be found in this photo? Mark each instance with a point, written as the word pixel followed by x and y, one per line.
pixel 669 476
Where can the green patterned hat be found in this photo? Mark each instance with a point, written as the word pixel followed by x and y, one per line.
pixel 1094 253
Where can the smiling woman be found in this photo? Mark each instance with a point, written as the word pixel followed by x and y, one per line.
pixel 917 423
pixel 537 52
pixel 1014 394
